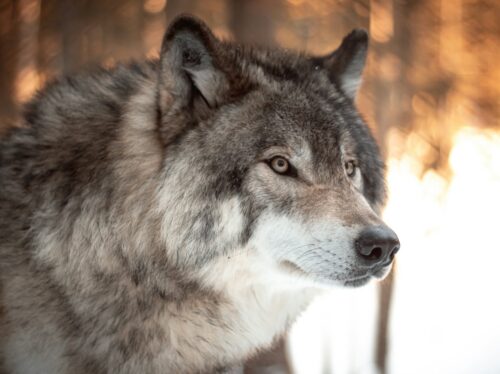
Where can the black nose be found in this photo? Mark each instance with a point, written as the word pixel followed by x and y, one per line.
pixel 377 245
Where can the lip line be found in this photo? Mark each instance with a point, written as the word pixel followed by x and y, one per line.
pixel 357 280
pixel 371 273
pixel 367 275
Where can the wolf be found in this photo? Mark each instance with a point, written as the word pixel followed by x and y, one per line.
pixel 176 215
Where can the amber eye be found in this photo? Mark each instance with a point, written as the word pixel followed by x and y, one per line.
pixel 280 165
pixel 350 168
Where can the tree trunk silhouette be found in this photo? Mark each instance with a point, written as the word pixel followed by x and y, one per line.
pixel 255 21
pixel 8 62
pixel 49 58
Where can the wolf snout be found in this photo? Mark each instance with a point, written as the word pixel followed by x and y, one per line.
pixel 377 245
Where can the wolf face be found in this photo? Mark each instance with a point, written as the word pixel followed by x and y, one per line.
pixel 280 150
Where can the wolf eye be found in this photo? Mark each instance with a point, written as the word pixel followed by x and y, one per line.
pixel 280 165
pixel 350 168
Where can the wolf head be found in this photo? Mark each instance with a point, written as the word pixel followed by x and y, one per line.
pixel 266 155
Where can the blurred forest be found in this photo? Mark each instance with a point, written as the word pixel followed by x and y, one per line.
pixel 432 67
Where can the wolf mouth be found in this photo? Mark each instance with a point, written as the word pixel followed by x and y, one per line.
pixel 356 282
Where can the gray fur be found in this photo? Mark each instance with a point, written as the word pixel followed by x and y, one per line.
pixel 129 195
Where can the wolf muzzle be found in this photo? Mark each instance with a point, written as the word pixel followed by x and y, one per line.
pixel 377 245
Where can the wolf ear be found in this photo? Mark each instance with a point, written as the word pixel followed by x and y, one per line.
pixel 345 64
pixel 190 80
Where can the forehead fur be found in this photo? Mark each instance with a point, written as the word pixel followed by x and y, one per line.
pixel 260 66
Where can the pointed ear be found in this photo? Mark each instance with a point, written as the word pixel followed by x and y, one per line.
pixel 345 65
pixel 190 81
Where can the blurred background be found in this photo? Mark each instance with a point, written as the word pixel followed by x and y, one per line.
pixel 431 94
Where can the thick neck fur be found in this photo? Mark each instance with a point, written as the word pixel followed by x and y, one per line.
pixel 233 304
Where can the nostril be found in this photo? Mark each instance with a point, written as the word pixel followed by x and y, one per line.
pixel 375 254
pixel 394 251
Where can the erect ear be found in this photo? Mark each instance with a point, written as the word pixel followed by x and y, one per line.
pixel 191 81
pixel 345 64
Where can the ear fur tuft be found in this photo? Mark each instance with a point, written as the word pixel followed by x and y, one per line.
pixel 189 57
pixel 345 65
pixel 190 82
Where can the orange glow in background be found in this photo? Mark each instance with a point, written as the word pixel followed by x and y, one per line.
pixel 431 93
